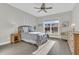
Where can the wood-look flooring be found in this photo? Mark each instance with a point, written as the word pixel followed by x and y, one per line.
pixel 22 48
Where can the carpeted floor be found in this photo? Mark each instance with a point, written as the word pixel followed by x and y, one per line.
pixel 21 48
pixel 60 48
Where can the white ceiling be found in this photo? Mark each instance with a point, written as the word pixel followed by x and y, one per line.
pixel 57 8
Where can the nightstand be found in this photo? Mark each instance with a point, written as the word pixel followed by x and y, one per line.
pixel 15 38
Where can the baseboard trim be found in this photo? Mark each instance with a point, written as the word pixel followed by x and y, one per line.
pixel 4 43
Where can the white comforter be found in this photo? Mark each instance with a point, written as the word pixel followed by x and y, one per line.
pixel 34 37
pixel 39 33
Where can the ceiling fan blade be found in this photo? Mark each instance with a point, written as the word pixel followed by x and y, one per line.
pixel 40 10
pixel 44 10
pixel 48 8
pixel 36 8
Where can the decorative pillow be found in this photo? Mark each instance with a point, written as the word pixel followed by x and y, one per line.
pixel 31 29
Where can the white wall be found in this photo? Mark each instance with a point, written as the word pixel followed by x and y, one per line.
pixel 10 19
pixel 76 17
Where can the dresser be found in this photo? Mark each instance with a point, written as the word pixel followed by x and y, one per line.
pixel 73 42
pixel 15 37
pixel 76 43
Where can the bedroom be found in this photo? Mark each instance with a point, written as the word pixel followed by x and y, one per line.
pixel 13 16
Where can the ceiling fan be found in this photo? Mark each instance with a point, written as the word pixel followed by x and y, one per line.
pixel 43 8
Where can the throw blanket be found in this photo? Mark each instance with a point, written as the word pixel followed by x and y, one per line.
pixel 39 33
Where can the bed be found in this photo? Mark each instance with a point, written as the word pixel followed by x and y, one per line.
pixel 29 35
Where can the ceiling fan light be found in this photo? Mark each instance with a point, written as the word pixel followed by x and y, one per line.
pixel 43 8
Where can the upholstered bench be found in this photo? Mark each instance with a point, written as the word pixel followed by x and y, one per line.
pixel 45 48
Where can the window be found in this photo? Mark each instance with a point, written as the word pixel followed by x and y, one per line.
pixel 47 27
pixel 51 26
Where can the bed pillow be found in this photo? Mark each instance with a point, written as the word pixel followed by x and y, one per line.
pixel 25 29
